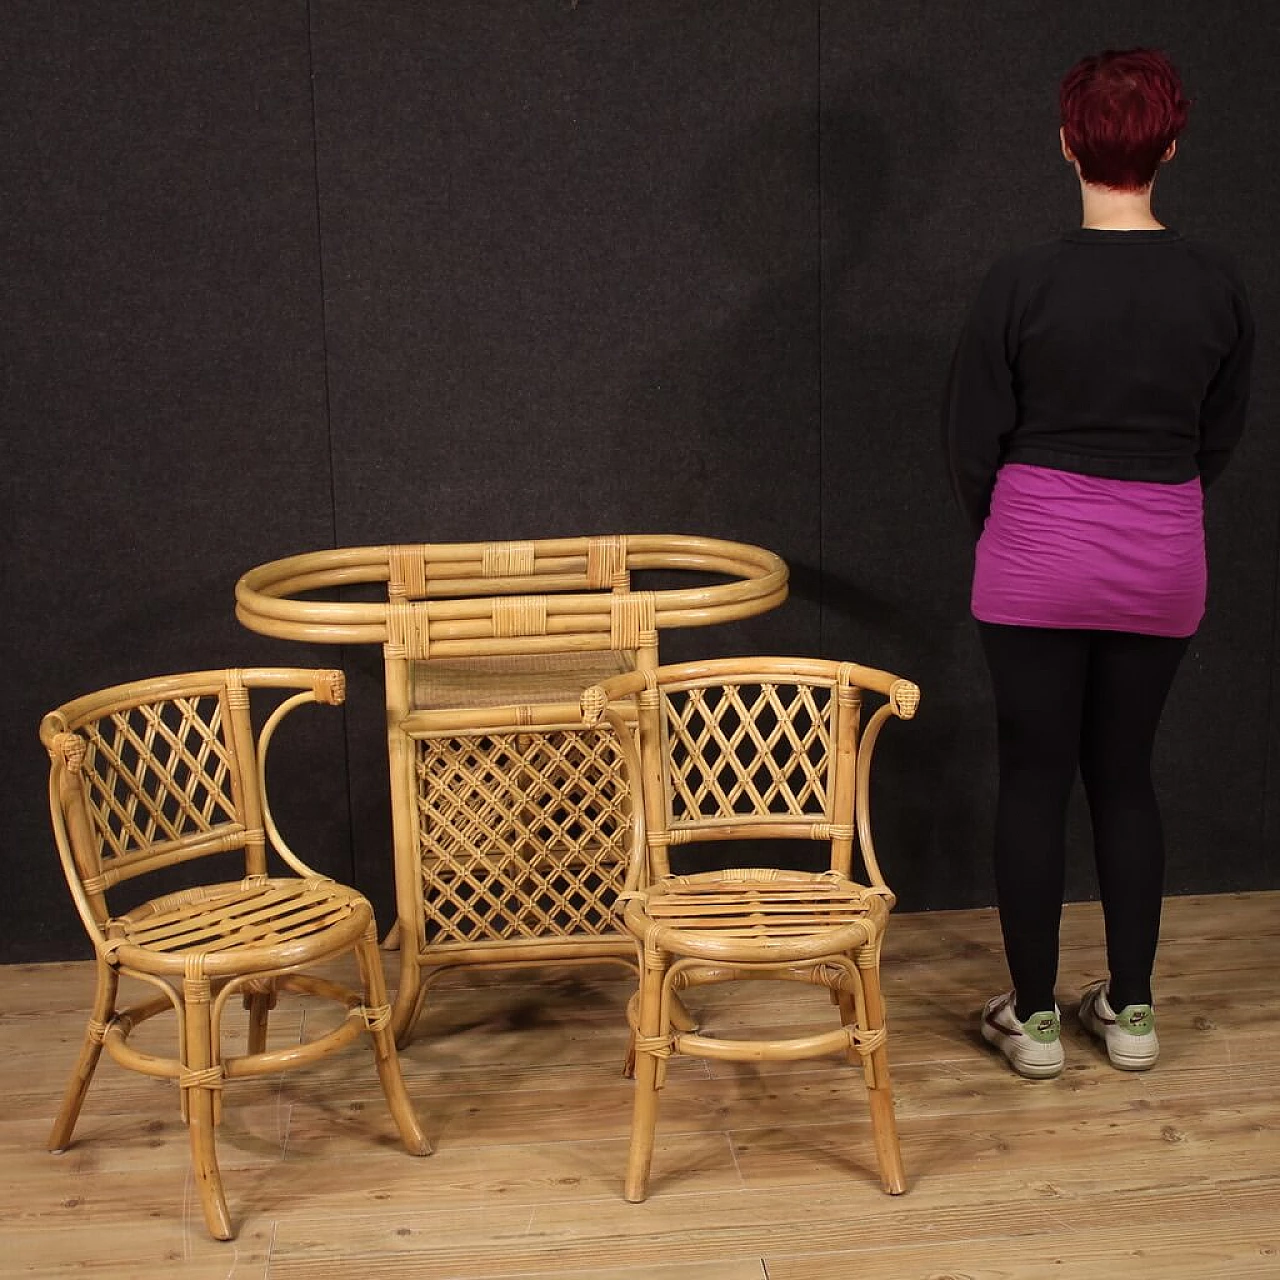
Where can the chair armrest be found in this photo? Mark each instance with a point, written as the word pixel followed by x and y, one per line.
pixel 325 686
pixel 597 697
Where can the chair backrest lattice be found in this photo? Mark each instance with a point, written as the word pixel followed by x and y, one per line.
pixel 158 773
pixel 747 748
pixel 163 771
pixel 737 750
pixel 151 775
pixel 522 835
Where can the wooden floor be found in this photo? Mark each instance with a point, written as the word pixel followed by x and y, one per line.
pixel 760 1173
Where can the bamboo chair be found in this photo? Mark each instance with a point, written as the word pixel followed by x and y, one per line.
pixel 754 748
pixel 166 771
pixel 509 818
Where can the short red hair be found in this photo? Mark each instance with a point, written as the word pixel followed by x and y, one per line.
pixel 1120 112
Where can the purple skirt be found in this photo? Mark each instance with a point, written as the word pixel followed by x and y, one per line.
pixel 1072 551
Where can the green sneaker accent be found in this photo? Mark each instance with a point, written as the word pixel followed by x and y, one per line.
pixel 1136 1020
pixel 1043 1028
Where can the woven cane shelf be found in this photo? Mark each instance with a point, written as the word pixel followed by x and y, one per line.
pixel 509 815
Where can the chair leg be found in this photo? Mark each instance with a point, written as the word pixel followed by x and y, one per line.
pixel 410 994
pixel 848 1017
pixel 681 1020
pixel 384 1046
pixel 884 1124
pixel 200 1091
pixel 259 1004
pixel 644 1116
pixel 633 1022
pixel 104 1003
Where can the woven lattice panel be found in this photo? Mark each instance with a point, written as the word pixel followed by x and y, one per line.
pixel 744 749
pixel 156 773
pixel 521 835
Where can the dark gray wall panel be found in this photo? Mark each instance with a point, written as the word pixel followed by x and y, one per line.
pixel 939 154
pixel 1212 762
pixel 571 285
pixel 164 414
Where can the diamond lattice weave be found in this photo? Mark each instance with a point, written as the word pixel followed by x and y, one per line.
pixel 522 835
pixel 746 749
pixel 157 772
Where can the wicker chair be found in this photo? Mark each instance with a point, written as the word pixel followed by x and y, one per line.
pixel 166 771
pixel 754 748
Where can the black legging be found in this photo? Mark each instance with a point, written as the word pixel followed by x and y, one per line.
pixel 1091 698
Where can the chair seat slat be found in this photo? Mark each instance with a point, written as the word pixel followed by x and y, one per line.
pixel 697 920
pixel 698 902
pixel 280 912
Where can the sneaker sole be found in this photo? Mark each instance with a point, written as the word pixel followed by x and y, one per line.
pixel 1036 1070
pixel 1134 1061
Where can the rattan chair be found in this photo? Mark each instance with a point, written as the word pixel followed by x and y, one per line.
pixel 165 771
pixel 747 749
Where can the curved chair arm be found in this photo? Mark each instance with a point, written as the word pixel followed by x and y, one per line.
pixel 903 702
pixel 328 687
pixel 638 857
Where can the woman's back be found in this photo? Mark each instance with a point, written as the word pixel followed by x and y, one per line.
pixel 1120 336
pixel 1119 354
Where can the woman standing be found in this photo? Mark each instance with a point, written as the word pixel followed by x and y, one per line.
pixel 1099 385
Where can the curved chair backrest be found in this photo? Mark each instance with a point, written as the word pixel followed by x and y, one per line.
pixel 756 748
pixel 163 771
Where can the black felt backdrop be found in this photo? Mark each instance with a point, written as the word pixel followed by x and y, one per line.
pixel 290 276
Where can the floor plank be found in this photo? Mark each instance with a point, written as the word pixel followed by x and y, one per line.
pixel 1227 1248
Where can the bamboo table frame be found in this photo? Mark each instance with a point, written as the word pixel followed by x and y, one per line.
pixel 508 813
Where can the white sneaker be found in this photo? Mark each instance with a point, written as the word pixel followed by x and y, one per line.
pixel 1033 1047
pixel 1130 1035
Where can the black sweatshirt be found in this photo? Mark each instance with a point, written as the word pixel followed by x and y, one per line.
pixel 1123 354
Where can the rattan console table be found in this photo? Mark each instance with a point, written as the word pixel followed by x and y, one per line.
pixel 508 815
